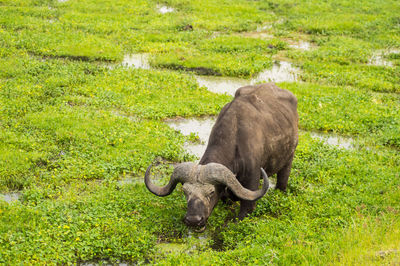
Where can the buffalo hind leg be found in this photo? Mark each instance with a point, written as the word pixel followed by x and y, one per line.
pixel 283 176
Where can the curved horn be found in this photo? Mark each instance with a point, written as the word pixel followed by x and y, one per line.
pixel 229 179
pixel 177 176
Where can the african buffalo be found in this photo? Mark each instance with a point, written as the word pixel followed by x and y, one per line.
pixel 256 130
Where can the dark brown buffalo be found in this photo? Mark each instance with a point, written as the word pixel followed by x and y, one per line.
pixel 257 131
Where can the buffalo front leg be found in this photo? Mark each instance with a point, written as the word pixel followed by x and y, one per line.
pixel 253 181
pixel 246 207
pixel 283 176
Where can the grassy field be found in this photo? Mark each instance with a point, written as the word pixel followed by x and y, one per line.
pixel 74 123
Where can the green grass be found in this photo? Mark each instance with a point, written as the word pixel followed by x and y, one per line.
pixel 73 123
pixel 349 111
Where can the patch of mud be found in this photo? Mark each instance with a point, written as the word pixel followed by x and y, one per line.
pixel 136 61
pixel 199 126
pixel 165 9
pixel 346 143
pixel 379 58
pixel 10 197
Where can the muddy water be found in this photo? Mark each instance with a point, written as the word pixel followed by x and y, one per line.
pixel 10 197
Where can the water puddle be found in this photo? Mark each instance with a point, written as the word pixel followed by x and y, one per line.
pixel 193 241
pixel 199 126
pixel 257 34
pixel 136 61
pixel 165 9
pixel 227 85
pixel 264 28
pixel 379 58
pixel 10 197
pixel 346 143
pixel 280 72
pixel 301 45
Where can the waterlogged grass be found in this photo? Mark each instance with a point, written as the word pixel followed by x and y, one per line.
pixel 339 207
pixel 349 111
pixel 223 55
pixel 73 123
pixel 333 194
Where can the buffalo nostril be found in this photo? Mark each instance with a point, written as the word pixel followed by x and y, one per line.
pixel 194 219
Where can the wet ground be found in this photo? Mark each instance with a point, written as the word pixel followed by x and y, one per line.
pixel 10 197
pixel 346 143
pixel 165 9
pixel 280 72
pixel 136 61
pixel 301 45
pixel 379 58
pixel 199 126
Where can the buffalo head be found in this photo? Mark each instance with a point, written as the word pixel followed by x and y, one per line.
pixel 203 186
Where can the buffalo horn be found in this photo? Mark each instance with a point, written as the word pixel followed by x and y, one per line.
pixel 241 192
pixel 161 191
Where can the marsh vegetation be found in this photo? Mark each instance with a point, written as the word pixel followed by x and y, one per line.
pixel 81 118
